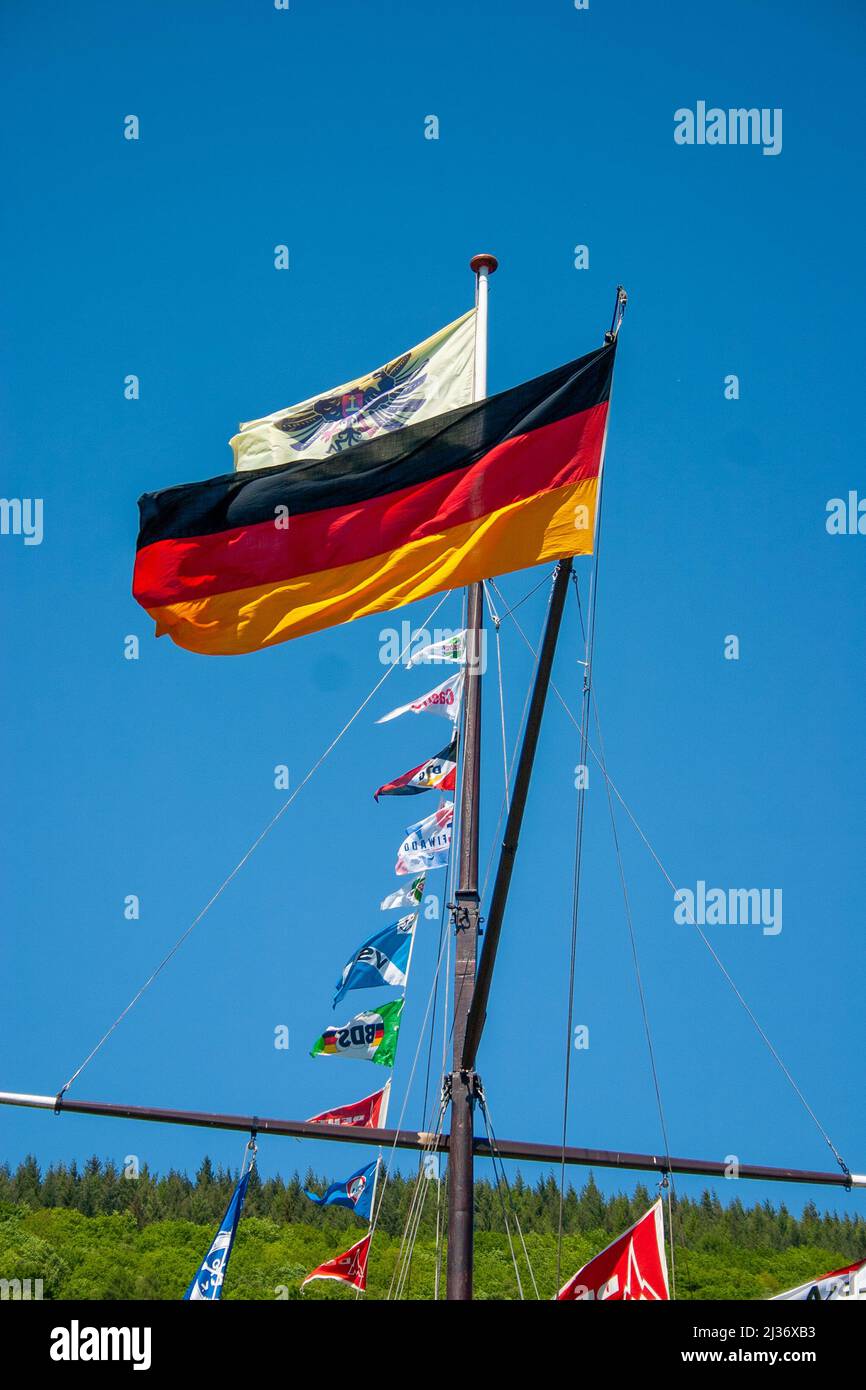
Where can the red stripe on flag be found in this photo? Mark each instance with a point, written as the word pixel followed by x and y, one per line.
pixel 540 461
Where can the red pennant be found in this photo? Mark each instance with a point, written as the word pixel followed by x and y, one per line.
pixel 365 1113
pixel 350 1267
pixel 633 1267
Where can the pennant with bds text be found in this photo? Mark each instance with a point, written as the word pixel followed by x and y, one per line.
pixel 208 1280
pixel 410 896
pixel 356 1192
pixel 443 699
pixel 370 1036
pixel 426 381
pixel 350 1267
pixel 632 1268
pixel 382 960
pixel 369 1113
pixel 428 842
pixel 438 773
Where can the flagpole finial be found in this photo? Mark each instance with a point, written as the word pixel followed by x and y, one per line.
pixel 483 261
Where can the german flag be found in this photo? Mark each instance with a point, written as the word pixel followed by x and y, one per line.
pixel 244 561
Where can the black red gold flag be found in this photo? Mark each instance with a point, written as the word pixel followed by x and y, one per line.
pixel 243 561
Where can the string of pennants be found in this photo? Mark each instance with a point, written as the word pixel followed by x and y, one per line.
pixel 382 960
pixel 634 1266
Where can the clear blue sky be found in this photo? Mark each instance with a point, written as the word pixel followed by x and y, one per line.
pixel 155 257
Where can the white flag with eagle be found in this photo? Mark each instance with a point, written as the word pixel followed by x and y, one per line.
pixel 428 380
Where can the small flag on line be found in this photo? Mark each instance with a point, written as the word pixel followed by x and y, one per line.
pixel 410 896
pixel 438 773
pixel 631 1268
pixel 442 699
pixel 370 1036
pixel 382 960
pixel 356 1192
pixel 368 1113
pixel 428 842
pixel 350 1267
pixel 451 649
pixel 207 1281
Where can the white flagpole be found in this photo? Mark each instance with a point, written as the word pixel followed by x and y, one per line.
pixel 483 266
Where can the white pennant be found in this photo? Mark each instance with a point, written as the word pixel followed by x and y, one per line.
pixel 444 699
pixel 451 649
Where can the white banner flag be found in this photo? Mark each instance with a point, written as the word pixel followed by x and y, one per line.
pixel 410 896
pixel 427 380
pixel 427 843
pixel 451 649
pixel 444 699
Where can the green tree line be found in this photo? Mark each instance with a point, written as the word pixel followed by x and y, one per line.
pixel 94 1232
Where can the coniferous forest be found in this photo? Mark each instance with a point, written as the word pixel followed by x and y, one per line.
pixel 93 1233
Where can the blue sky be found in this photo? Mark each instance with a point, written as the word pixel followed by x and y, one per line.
pixel 152 777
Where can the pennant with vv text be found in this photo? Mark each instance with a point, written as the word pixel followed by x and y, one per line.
pixel 383 959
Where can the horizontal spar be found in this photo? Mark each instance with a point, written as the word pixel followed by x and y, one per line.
pixel 418 1139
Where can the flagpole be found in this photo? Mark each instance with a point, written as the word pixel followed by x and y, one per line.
pixel 465 910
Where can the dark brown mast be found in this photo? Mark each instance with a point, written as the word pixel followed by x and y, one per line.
pixel 465 910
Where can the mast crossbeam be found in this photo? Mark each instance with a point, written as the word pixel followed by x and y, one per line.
pixel 418 1140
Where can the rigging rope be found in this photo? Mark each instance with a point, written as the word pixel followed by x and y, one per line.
pixel 589 654
pixel 629 921
pixel 514 752
pixel 444 939
pixel 242 861
pixel 497 624
pixel 497 1157
pixel 738 995
pixel 670 1187
pixel 402 1267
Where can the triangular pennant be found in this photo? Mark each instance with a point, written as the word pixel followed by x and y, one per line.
pixel 438 773
pixel 368 1113
pixel 350 1267
pixel 633 1267
pixel 442 699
